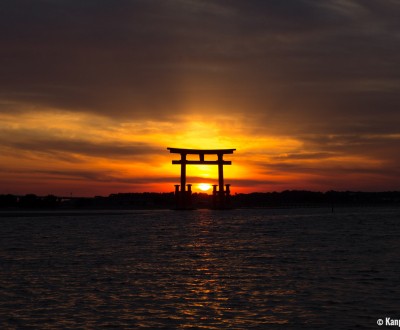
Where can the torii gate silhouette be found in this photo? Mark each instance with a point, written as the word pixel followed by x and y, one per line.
pixel 182 196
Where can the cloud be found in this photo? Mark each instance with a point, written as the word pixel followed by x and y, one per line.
pixel 140 59
pixel 373 146
pixel 101 176
pixel 324 74
pixel 304 156
pixel 68 149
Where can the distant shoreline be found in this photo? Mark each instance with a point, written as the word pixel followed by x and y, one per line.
pixel 129 202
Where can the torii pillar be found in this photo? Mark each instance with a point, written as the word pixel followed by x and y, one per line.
pixel 183 197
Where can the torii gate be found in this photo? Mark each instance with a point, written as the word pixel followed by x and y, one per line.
pixel 183 197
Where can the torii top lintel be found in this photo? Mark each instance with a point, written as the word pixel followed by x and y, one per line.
pixel 201 153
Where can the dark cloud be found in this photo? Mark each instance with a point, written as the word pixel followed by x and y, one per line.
pixel 253 183
pixel 100 176
pixel 372 146
pixel 304 156
pixel 335 167
pixel 69 149
pixel 305 59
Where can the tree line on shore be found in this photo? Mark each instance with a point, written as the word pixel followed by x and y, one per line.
pixel 287 198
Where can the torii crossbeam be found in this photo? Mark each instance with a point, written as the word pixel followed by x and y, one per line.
pixel 183 197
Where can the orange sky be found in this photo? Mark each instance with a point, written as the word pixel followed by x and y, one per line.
pixel 62 153
pixel 306 92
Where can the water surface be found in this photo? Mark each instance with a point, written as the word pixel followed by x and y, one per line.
pixel 241 269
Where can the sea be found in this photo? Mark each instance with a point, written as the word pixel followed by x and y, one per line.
pixel 313 268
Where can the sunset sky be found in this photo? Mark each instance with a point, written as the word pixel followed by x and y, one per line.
pixel 93 92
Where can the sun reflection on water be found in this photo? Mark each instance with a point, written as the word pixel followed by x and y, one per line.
pixel 163 270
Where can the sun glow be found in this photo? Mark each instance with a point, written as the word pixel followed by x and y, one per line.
pixel 204 186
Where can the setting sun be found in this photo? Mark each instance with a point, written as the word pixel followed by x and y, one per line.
pixel 204 186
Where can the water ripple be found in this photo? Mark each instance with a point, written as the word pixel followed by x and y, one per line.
pixel 243 269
